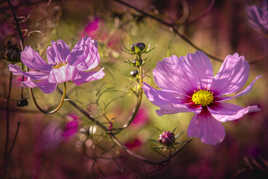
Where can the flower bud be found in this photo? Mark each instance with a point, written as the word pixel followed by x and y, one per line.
pixel 167 138
pixel 138 48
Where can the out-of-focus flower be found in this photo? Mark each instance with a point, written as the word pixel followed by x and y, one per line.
pixel 53 134
pixel 50 137
pixel 188 85
pixel 63 65
pixel 71 127
pixel 134 143
pixel 97 29
pixel 167 138
pixel 91 28
pixel 141 118
pixel 258 17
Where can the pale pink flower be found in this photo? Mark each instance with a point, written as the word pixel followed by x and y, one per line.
pixel 188 85
pixel 63 65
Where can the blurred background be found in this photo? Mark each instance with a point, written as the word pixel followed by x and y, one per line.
pixel 218 27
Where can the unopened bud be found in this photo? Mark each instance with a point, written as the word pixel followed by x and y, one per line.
pixel 167 138
pixel 138 48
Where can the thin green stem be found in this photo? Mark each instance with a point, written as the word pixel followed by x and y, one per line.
pixel 139 95
pixel 116 140
pixel 84 112
pixel 57 108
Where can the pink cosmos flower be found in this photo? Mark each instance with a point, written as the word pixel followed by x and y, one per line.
pixel 63 65
pixel 188 85
pixel 258 17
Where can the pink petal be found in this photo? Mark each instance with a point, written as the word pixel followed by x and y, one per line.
pixel 57 52
pixel 184 74
pixel 28 83
pixel 243 92
pixel 169 101
pixel 227 112
pixel 34 79
pixel 45 86
pixel 83 77
pixel 232 75
pixel 175 108
pixel 205 127
pixel 70 129
pixel 34 75
pixel 33 60
pixel 199 69
pixel 85 55
pixel 62 74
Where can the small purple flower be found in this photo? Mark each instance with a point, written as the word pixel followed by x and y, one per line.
pixel 258 17
pixel 63 65
pixel 188 85
pixel 167 138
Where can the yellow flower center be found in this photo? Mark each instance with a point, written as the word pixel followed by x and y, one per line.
pixel 203 97
pixel 59 65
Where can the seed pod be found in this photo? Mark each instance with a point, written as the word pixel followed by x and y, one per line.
pixel 134 73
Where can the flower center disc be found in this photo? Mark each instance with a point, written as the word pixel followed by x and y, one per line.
pixel 203 97
pixel 59 65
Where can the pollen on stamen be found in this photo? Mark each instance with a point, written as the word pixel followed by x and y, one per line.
pixel 203 97
pixel 59 65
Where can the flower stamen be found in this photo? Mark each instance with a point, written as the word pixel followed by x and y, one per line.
pixel 59 65
pixel 203 97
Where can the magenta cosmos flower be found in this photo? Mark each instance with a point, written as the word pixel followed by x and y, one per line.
pixel 63 65
pixel 188 85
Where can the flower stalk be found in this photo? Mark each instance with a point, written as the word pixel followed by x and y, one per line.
pixel 139 94
pixel 57 108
